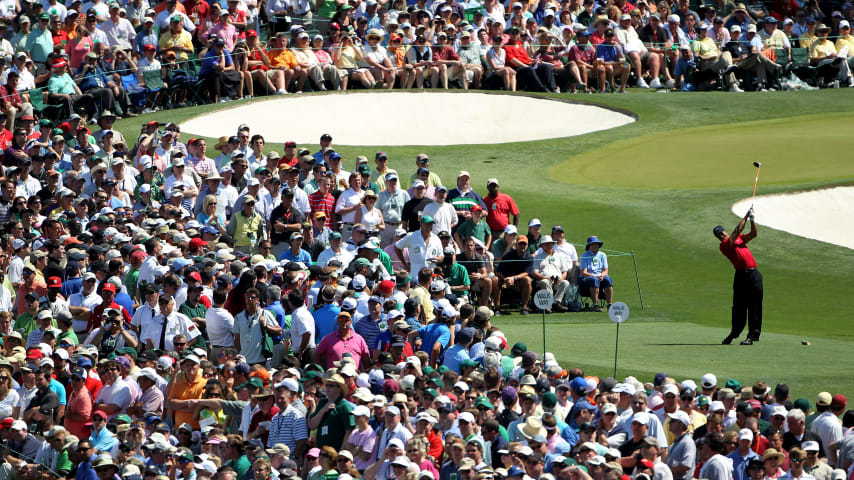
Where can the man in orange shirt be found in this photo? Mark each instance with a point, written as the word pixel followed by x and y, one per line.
pixel 281 57
pixel 187 387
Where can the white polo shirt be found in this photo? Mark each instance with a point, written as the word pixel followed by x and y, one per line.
pixel 420 250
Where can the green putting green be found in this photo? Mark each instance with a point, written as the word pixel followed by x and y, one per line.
pixel 714 156
pixel 665 214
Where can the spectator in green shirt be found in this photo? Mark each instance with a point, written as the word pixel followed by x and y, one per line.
pixel 62 89
pixel 455 274
pixel 235 452
pixel 40 41
pixel 474 227
pixel 333 417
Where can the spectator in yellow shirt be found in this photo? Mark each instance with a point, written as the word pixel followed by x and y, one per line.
pixel 177 39
pixel 845 40
pixel 806 40
pixel 706 50
pixel 823 53
pixel 282 58
pixel 773 37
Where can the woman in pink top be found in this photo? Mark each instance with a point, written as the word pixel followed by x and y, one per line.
pixel 323 57
pixel 79 47
pixel 416 450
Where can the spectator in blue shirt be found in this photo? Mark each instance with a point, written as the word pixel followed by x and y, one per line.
pixel 216 60
pixel 458 352
pixel 610 52
pixel 742 455
pixel 296 253
pixel 593 266
pixel 436 336
pixel 326 314
pixel 93 80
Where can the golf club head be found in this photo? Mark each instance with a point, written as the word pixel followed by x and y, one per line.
pixel 757 164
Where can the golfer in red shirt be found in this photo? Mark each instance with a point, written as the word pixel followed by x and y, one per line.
pixel 746 285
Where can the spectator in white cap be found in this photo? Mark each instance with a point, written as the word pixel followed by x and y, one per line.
pixel 362 440
pixel 392 428
pixel 23 446
pixel 709 384
pixel 382 467
pixel 551 272
pixel 670 394
pixel 682 454
pixel 812 464
pixel 443 213
pixel 500 207
pixel 742 454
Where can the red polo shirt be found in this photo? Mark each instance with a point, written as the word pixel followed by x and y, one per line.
pixel 738 254
pixel 518 52
pixel 96 321
pixel 499 210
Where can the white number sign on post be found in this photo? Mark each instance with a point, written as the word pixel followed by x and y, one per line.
pixel 619 313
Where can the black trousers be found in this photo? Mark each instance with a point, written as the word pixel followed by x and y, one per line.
pixel 747 295
pixel 539 79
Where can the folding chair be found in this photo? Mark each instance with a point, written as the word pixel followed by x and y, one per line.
pixel 136 91
pixel 154 85
pixel 38 99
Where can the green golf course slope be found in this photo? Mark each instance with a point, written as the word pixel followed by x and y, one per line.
pixel 657 187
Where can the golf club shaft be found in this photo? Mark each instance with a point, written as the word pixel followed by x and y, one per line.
pixel 755 183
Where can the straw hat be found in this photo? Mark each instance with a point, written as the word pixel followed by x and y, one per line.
pixel 532 426
pixel 221 142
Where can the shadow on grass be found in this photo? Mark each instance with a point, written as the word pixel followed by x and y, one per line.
pixel 686 344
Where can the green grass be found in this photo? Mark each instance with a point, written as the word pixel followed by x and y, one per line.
pixel 657 187
pixel 665 165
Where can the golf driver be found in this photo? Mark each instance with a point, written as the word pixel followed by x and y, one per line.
pixel 758 165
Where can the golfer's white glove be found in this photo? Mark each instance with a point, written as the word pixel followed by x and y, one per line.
pixel 751 216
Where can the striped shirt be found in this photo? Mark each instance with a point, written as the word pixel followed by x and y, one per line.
pixel 288 427
pixel 325 203
pixel 369 329
pixel 203 166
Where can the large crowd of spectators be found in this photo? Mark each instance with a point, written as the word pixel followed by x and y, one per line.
pixel 167 313
pixel 96 57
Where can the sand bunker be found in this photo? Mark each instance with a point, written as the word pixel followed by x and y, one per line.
pixel 826 215
pixel 409 118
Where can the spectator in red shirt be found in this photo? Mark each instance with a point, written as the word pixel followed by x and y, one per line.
pixel 322 200
pixel 499 207
pixel 449 61
pixel 60 36
pixel 267 409
pixel 108 294
pixel 537 77
pixel 197 10
pixel 12 103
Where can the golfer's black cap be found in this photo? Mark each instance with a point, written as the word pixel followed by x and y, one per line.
pixel 718 231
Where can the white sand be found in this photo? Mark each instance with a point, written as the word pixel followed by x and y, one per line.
pixel 825 215
pixel 408 118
